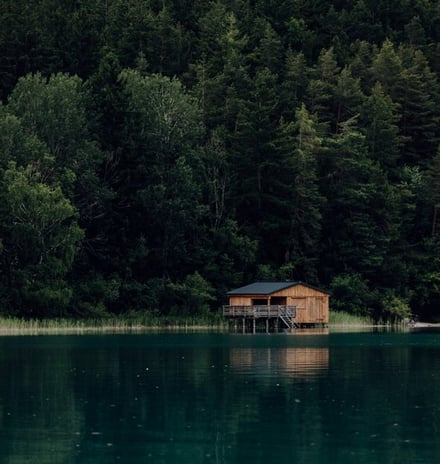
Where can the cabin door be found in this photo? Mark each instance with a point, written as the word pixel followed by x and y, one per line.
pixel 319 308
pixel 300 304
pixel 315 309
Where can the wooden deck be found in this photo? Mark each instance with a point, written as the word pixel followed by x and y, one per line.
pixel 285 313
pixel 259 311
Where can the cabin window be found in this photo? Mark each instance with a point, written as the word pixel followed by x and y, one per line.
pixel 259 301
pixel 278 300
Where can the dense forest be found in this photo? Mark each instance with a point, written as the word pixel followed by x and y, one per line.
pixel 156 153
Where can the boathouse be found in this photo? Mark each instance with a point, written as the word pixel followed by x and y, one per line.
pixel 290 304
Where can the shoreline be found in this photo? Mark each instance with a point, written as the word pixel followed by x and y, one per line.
pixel 10 326
pixel 422 325
pixel 139 329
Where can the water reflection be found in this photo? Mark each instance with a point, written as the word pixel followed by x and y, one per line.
pixel 38 410
pixel 300 363
pixel 190 399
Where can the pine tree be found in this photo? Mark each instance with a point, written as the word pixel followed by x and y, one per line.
pixel 433 191
pixel 348 96
pixel 268 51
pixel 359 220
pixel 255 166
pixel 221 73
pixel 387 69
pixel 294 83
pixel 419 97
pixel 322 87
pixel 379 119
pixel 300 145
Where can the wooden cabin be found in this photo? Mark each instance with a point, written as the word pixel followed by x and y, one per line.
pixel 293 304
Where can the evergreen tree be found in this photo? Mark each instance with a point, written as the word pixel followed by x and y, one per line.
pixel 303 144
pixel 359 220
pixel 419 97
pixel 361 64
pixel 70 34
pixel 363 25
pixel 387 69
pixel 348 96
pixel 433 191
pixel 221 73
pixel 294 83
pixel 416 33
pixel 255 166
pixel 322 87
pixel 300 146
pixel 380 117
pixel 268 51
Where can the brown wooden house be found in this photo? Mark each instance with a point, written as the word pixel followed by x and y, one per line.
pixel 295 304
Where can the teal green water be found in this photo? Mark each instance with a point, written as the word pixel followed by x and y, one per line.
pixel 221 398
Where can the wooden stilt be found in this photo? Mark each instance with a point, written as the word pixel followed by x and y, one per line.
pixel 267 325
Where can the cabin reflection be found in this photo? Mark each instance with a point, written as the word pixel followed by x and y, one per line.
pixel 301 363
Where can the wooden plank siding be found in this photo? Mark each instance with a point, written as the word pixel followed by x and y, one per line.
pixel 243 300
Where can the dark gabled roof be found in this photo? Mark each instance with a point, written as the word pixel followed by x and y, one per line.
pixel 267 288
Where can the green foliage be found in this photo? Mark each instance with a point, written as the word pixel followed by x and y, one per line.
pixel 155 154
pixel 53 110
pixel 359 221
pixel 17 145
pixel 192 296
pixel 299 146
pixel 350 293
pixel 283 273
pixel 394 308
pixel 57 113
pixel 162 169
pixel 41 237
pixel 93 296
pixel 380 117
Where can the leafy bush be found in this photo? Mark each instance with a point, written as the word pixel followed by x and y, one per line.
pixel 351 294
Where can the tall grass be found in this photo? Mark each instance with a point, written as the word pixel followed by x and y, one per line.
pixel 138 321
pixel 341 318
pixel 127 323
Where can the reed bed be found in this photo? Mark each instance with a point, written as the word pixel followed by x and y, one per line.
pixel 111 324
pixel 146 322
pixel 339 318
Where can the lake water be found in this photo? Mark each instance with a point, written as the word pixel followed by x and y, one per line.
pixel 221 398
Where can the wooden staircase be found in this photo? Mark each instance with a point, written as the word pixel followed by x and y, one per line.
pixel 287 315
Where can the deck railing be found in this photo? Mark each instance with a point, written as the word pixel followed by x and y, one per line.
pixel 257 311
